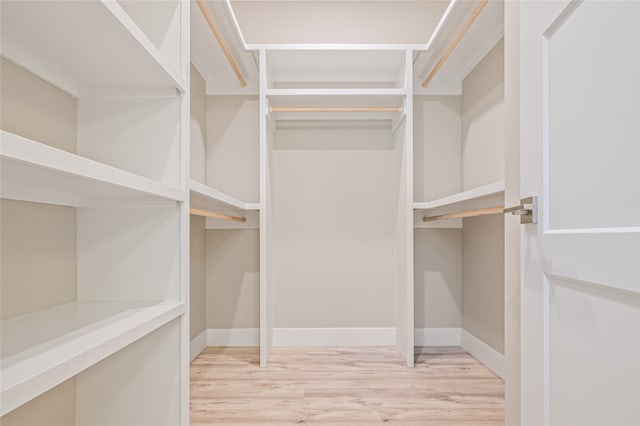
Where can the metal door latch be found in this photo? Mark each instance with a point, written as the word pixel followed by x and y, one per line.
pixel 527 210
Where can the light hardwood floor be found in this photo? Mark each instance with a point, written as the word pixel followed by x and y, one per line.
pixel 344 386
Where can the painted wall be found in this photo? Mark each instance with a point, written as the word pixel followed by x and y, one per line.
pixel 483 279
pixel 198 127
pixel 35 109
pixel 483 135
pixel 232 278
pixel 438 278
pixel 37 234
pixel 233 157
pixel 56 407
pixel 197 275
pixel 436 141
pixel 483 121
pixel 333 228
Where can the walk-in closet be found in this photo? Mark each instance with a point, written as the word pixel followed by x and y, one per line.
pixel 327 212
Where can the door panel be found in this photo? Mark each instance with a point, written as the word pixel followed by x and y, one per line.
pixel 592 110
pixel 580 147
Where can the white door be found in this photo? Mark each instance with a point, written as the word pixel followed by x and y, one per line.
pixel 580 151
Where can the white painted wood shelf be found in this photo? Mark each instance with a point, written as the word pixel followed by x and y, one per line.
pixel 33 171
pixel 491 195
pixel 47 347
pixel 85 48
pixel 207 198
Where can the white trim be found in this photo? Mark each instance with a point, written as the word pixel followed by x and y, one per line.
pixel 369 336
pixel 437 336
pixel 443 19
pixel 236 25
pixel 334 46
pixel 484 353
pixel 198 344
pixel 233 337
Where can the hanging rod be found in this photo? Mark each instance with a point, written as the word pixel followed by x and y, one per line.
pixel 216 215
pixel 336 109
pixel 221 42
pixel 469 213
pixel 455 41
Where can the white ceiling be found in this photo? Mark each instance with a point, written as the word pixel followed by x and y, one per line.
pixel 346 21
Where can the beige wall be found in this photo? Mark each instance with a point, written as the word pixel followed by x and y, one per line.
pixel 233 146
pixel 38 262
pixel 197 275
pixel 436 142
pixel 233 280
pixel 483 121
pixel 483 279
pixel 438 278
pixel 198 127
pixel 55 407
pixel 38 256
pixel 35 109
pixel 333 228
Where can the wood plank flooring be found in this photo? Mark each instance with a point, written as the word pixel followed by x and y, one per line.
pixel 344 386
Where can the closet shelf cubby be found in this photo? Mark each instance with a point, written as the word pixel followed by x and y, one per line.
pixel 85 48
pixel 33 171
pixel 47 347
pixel 486 196
pixel 207 198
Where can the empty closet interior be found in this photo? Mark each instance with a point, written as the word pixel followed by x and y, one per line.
pixel 93 283
pixel 344 151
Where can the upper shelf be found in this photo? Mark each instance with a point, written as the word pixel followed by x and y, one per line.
pixel 485 32
pixel 491 195
pixel 33 171
pixel 207 198
pixel 85 48
pixel 336 69
pixel 45 348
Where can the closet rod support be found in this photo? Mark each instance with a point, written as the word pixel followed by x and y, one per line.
pixel 221 42
pixel 216 215
pixel 469 213
pixel 470 20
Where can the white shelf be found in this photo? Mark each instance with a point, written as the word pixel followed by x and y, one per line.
pixel 33 171
pixel 45 348
pixel 86 48
pixel 491 195
pixel 205 197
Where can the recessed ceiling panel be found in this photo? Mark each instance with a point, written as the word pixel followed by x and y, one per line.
pixel 371 22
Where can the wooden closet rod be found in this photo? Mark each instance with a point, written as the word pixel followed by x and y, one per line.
pixel 455 41
pixel 216 215
pixel 470 213
pixel 223 45
pixel 336 109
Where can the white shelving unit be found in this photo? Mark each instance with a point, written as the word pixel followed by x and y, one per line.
pixel 47 347
pixel 122 184
pixel 346 91
pixel 205 197
pixel 33 171
pixel 486 196
pixel 85 48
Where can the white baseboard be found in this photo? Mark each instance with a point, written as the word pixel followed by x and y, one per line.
pixel 233 337
pixel 369 336
pixel 437 336
pixel 198 344
pixel 484 353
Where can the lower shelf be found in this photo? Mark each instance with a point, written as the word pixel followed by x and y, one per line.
pixel 45 348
